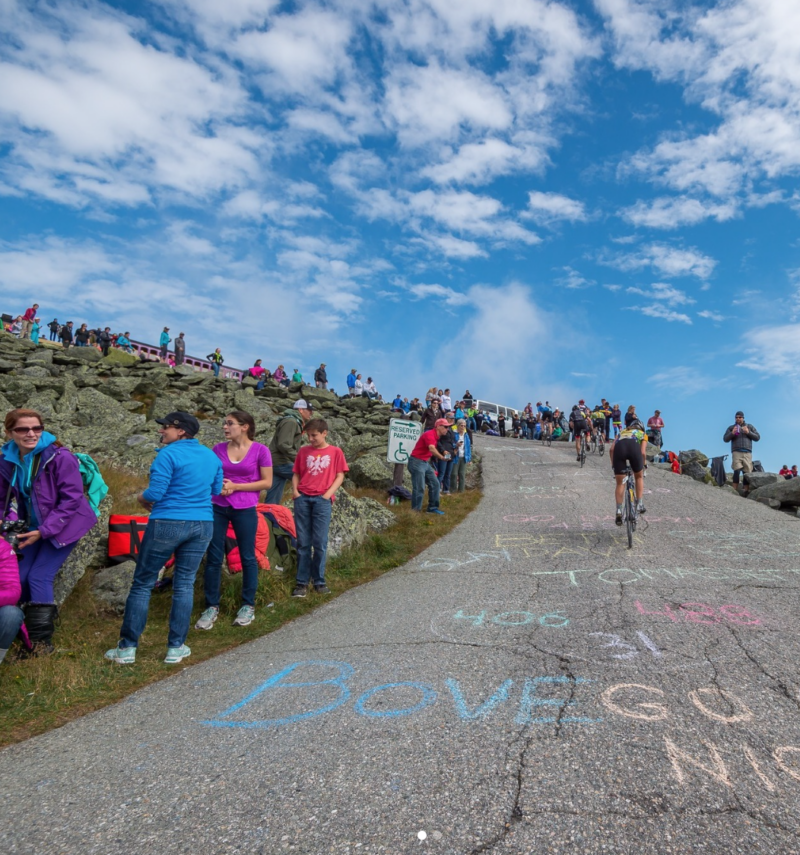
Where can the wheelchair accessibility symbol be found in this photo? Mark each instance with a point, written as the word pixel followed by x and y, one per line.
pixel 400 454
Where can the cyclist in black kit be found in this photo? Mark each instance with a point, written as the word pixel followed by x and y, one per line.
pixel 629 448
pixel 579 425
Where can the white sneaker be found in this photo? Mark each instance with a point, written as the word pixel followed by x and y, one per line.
pixel 208 618
pixel 245 616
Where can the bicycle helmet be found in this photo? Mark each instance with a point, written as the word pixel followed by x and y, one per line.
pixel 636 424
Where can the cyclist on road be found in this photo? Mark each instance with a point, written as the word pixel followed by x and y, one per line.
pixel 546 418
pixel 598 421
pixel 629 448
pixel 579 425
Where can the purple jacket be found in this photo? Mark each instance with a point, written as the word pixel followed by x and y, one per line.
pixel 63 512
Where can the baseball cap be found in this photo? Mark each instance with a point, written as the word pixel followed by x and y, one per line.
pixel 740 413
pixel 441 423
pixel 302 405
pixel 179 419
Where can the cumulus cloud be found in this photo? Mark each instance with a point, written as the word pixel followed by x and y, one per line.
pixel 661 312
pixel 546 208
pixel 664 292
pixel 667 260
pixel 683 378
pixel 673 212
pixel 773 350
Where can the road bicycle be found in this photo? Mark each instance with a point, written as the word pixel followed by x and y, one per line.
pixel 546 434
pixel 601 443
pixel 630 510
pixel 583 448
pixel 593 443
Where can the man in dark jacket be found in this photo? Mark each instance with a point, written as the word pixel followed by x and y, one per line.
pixel 180 349
pixel 284 447
pixel 66 335
pixel 104 340
pixel 321 377
pixel 741 436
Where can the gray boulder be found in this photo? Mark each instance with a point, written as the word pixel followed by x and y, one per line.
pixel 371 470
pixel 693 456
pixel 90 551
pixel 112 584
pixel 761 479
pixel 694 469
pixel 786 492
pixel 771 503
pixel 352 520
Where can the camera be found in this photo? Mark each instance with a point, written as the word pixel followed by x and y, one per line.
pixel 10 530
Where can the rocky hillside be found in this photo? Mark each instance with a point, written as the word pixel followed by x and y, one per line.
pixel 106 407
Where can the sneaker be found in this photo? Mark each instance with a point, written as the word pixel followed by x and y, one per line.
pixel 122 655
pixel 177 654
pixel 618 519
pixel 578 459
pixel 642 508
pixel 436 511
pixel 322 589
pixel 300 591
pixel 208 618
pixel 245 616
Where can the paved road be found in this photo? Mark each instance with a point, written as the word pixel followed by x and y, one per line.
pixel 526 685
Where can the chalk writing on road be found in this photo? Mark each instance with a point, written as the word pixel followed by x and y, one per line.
pixel 560 544
pixel 756 543
pixel 588 522
pixel 701 613
pixel 472 558
pixel 315 688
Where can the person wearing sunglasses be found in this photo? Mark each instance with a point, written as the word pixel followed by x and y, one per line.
pixel 42 488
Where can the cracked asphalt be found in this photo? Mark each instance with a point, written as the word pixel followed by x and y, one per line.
pixel 526 685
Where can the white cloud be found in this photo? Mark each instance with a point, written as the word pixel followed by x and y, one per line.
pixel 546 208
pixel 773 350
pixel 481 162
pixel 449 296
pixel 711 316
pixel 671 213
pixel 661 312
pixel 574 280
pixel 662 291
pixel 669 261
pixel 739 61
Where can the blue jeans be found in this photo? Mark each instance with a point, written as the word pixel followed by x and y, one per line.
pixel 280 475
pixel 245 525
pixel 445 468
pixel 216 367
pixel 188 540
pixel 423 473
pixel 10 622
pixel 312 519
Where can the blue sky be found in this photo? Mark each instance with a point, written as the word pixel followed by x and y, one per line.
pixel 530 199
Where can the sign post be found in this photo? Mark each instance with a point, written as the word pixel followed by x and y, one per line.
pixel 403 436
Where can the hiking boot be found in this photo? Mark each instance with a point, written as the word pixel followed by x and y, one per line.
pixel 618 518
pixel 245 616
pixel 436 511
pixel 176 654
pixel 208 618
pixel 300 590
pixel 322 589
pixel 122 655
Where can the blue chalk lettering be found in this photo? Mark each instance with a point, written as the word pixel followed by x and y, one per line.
pixel 345 671
pixel 529 700
pixel 477 620
pixel 428 697
pixel 505 619
pixel 554 619
pixel 485 708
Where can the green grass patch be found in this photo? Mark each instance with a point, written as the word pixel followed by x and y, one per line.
pixel 37 695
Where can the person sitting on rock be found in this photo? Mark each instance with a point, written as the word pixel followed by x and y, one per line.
pixel 34 463
pixel 124 343
pixel 785 472
pixel 794 471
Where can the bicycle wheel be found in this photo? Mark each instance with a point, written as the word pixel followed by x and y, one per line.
pixel 583 451
pixel 629 521
pixel 601 446
pixel 593 444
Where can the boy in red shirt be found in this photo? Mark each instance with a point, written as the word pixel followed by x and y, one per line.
pixel 318 473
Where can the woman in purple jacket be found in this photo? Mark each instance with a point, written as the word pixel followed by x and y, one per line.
pixel 40 483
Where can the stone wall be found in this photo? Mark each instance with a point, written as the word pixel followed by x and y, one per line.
pixel 106 407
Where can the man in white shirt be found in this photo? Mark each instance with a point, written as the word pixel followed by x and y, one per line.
pixel 447 402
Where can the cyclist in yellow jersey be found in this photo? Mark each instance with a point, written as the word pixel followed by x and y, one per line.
pixel 598 420
pixel 629 447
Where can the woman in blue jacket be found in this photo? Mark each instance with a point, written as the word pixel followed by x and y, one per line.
pixel 463 455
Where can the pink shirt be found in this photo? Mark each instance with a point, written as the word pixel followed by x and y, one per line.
pixel 246 471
